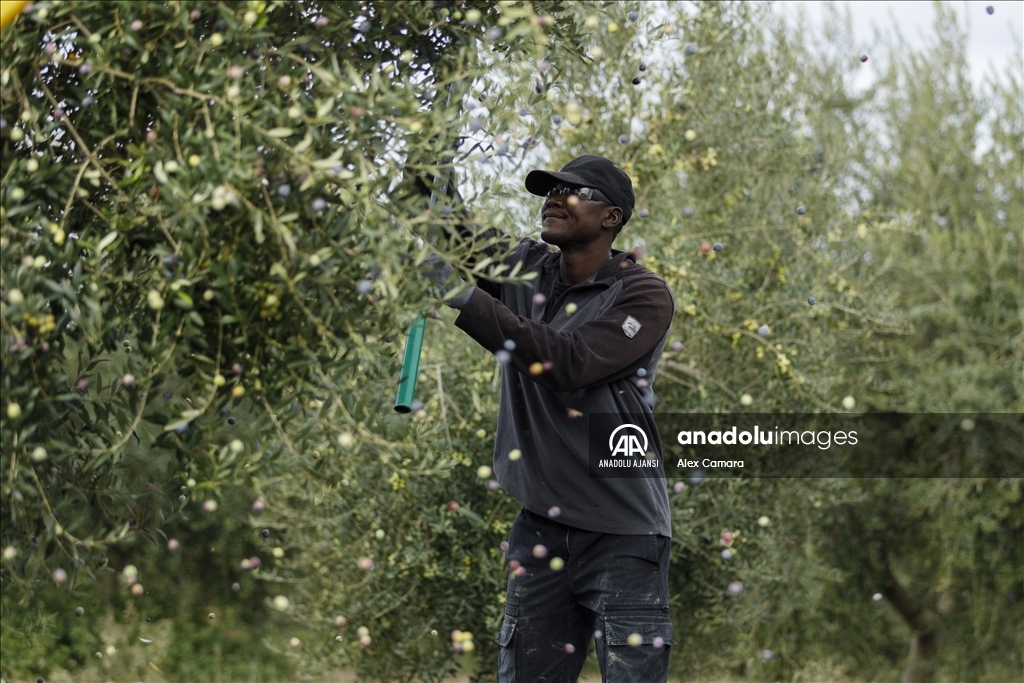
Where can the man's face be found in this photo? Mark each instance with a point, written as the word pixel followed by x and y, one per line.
pixel 572 220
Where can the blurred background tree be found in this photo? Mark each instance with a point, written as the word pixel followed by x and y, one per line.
pixel 213 231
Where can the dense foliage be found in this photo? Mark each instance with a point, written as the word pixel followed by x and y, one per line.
pixel 214 223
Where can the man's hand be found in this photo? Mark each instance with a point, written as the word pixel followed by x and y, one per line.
pixel 453 291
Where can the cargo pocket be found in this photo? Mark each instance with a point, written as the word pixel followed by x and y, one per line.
pixel 637 645
pixel 507 651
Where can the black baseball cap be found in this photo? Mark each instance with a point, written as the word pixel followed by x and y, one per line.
pixel 588 170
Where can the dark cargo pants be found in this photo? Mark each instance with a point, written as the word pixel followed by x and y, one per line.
pixel 613 588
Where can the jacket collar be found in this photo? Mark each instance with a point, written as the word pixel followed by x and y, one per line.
pixel 608 271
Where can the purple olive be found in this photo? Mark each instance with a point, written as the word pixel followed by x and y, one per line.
pixel 265 533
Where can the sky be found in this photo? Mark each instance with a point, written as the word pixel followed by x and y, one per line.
pixel 994 40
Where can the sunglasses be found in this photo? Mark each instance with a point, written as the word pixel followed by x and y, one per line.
pixel 585 192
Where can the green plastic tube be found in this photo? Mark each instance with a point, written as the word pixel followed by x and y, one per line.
pixel 414 340
pixel 410 365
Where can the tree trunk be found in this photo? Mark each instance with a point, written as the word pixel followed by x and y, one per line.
pixel 921 660
pixel 924 645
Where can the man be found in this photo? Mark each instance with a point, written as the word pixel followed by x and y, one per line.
pixel 589 556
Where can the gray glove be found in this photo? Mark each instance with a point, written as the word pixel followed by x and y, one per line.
pixel 444 284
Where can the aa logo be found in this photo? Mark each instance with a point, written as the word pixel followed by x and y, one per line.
pixel 629 441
